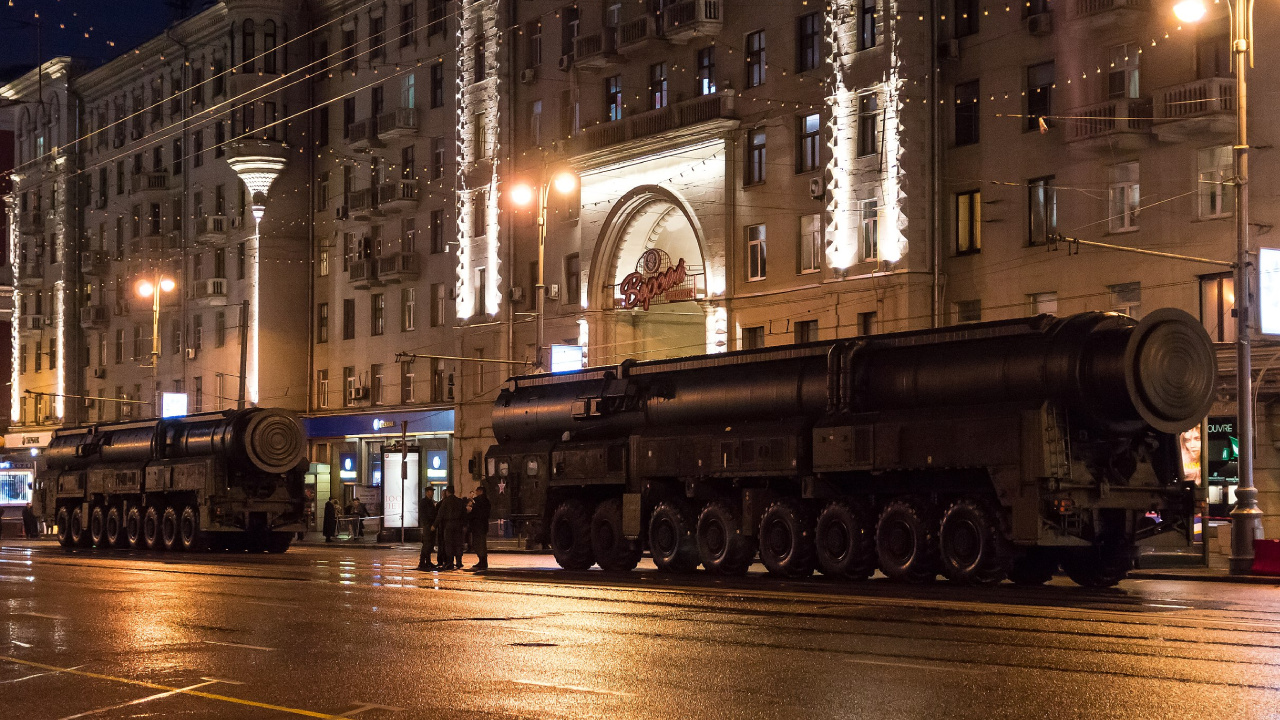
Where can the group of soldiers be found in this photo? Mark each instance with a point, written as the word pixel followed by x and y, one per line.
pixel 445 526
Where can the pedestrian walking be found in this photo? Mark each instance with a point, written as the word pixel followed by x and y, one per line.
pixel 427 523
pixel 360 512
pixel 479 521
pixel 29 526
pixel 330 519
pixel 451 516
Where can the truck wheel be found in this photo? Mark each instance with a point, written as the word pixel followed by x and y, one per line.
pixel 972 545
pixel 115 529
pixel 189 530
pixel 63 520
pixel 907 543
pixel 786 539
pixel 611 548
pixel 571 536
pixel 1034 566
pixel 169 529
pixel 721 545
pixel 278 542
pixel 79 533
pixel 1102 566
pixel 845 541
pixel 133 527
pixel 671 540
pixel 151 529
pixel 97 526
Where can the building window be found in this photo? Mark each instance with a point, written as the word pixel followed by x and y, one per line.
pixel 967 311
pixel 377 313
pixel 349 319
pixel 197 331
pixel 1123 197
pixel 753 337
pixel 408 308
pixel 657 86
pixel 755 165
pixel 1122 79
pixel 535 123
pixel 437 85
pixel 322 322
pixel 755 252
pixel 1213 56
pixel 269 47
pixel 246 47
pixel 572 280
pixel 1045 303
pixel 808 142
pixel 867 25
pixel 406 382
pixel 966 18
pixel 1215 167
pixel 613 97
pixel 868 124
pixel 220 328
pixel 479 65
pixel 809 253
pixel 408 25
pixel 437 232
pixel 377 38
pixel 707 70
pixel 533 44
pixel 1039 94
pixel 1217 307
pixel 435 17
pixel 1126 298
pixel 806 331
pixel 197 394
pixel 866 323
pixel 968 222
pixel 1042 210
pixel 322 388
pixel 375 384
pixel 348 385
pixel 808 42
pixel 966 113
pixel 755 59
pixel 439 303
pixel 869 232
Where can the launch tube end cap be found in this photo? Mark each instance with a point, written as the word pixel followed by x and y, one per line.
pixel 1170 370
pixel 273 441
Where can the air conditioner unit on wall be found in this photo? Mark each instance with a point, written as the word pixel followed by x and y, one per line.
pixel 35 323
pixel 949 50
pixel 340 213
pixel 528 75
pixel 817 188
pixel 191 353
pixel 566 62
pixel 237 222
pixel 357 393
pixel 517 294
pixel 553 292
pixel 99 372
pixel 1040 24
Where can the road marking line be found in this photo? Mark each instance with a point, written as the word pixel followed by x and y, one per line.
pixel 156 686
pixel 139 701
pixel 41 615
pixel 913 666
pixel 573 687
pixel 370 706
pixel 19 643
pixel 239 645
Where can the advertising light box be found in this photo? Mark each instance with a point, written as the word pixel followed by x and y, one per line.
pixel 1269 290
pixel 396 496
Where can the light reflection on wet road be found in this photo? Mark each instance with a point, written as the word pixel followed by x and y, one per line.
pixel 326 632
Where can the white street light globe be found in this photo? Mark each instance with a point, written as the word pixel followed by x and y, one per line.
pixel 145 288
pixel 167 285
pixel 1190 11
pixel 565 183
pixel 522 194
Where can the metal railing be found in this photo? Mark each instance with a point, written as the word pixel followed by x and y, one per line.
pixel 682 114
pixel 1201 97
pixel 1119 115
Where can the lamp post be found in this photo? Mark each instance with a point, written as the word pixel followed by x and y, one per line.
pixel 1246 518
pixel 523 195
pixel 153 289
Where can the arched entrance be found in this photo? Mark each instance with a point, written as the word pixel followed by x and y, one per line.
pixel 650 280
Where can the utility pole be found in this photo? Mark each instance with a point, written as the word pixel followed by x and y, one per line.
pixel 404 472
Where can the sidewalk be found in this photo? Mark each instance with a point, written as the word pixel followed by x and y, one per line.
pixel 370 542
pixel 1202 574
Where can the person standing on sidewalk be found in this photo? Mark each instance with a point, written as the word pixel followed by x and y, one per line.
pixel 427 523
pixel 330 519
pixel 451 517
pixel 479 521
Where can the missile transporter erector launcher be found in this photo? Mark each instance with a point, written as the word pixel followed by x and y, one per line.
pixel 226 480
pixel 979 452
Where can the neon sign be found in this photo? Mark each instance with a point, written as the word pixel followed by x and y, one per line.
pixel 656 280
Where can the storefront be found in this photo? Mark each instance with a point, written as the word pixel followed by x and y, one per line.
pixel 360 456
pixel 17 477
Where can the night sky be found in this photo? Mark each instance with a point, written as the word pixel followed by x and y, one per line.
pixel 64 24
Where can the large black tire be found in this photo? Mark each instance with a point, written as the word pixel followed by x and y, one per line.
pixel 63 521
pixel 786 539
pixel 1033 566
pixel 1102 566
pixel 115 528
pixel 79 532
pixel 98 526
pixel 571 536
pixel 672 542
pixel 133 528
pixel 907 541
pixel 278 542
pixel 151 529
pixel 169 529
pixel 722 546
pixel 190 538
pixel 971 544
pixel 611 548
pixel 845 541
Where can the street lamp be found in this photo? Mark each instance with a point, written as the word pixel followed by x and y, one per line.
pixel 153 289
pixel 1246 518
pixel 522 195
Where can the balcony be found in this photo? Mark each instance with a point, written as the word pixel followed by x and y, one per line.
pixel 1119 124
pixel 94 262
pixel 673 121
pixel 595 52
pixel 397 123
pixel 210 293
pixel 145 245
pixel 95 316
pixel 212 229
pixel 637 35
pixel 31 222
pixel 362 204
pixel 1195 109
pixel 398 195
pixel 691 19
pixel 363 273
pixel 363 135
pixel 1105 12
pixel 150 182
pixel 31 273
pixel 399 266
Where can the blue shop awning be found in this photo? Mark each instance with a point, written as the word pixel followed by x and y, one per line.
pixel 375 423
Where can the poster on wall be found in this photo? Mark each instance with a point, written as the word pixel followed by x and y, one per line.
pixel 399 500
pixel 1222 455
pixel 15 487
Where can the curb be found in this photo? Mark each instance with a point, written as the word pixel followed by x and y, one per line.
pixel 1198 577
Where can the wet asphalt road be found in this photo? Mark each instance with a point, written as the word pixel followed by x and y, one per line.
pixel 323 632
